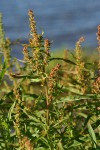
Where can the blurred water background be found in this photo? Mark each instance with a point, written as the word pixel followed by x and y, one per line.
pixel 63 21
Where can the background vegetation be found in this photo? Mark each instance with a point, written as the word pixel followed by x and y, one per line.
pixel 48 102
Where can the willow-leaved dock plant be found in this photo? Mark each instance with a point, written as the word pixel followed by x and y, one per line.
pixel 43 108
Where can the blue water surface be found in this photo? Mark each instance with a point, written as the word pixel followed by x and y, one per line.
pixel 63 21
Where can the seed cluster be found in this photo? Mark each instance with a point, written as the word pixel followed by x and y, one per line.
pixel 35 42
pixel 25 52
pixel 47 48
pixel 78 48
pixel 98 35
pixel 79 69
pixel 17 95
pixel 96 86
pixel 2 35
pixel 98 38
pixel 52 80
pixel 26 143
pixel 33 29
pixel 5 44
pixel 7 51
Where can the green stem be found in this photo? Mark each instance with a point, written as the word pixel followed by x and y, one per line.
pixel 47 105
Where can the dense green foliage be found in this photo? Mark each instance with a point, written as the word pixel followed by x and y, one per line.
pixel 44 107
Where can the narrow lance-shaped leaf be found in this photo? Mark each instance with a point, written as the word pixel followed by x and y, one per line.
pixel 92 134
pixel 66 60
pixel 11 110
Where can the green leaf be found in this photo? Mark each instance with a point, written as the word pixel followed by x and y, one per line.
pixel 73 90
pixel 60 147
pixel 44 140
pixel 31 117
pixel 30 95
pixel 8 95
pixel 69 99
pixel 82 114
pixel 75 144
pixel 11 110
pixel 36 80
pixel 92 134
pixel 2 73
pixel 66 60
pixel 73 98
pixel 4 124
